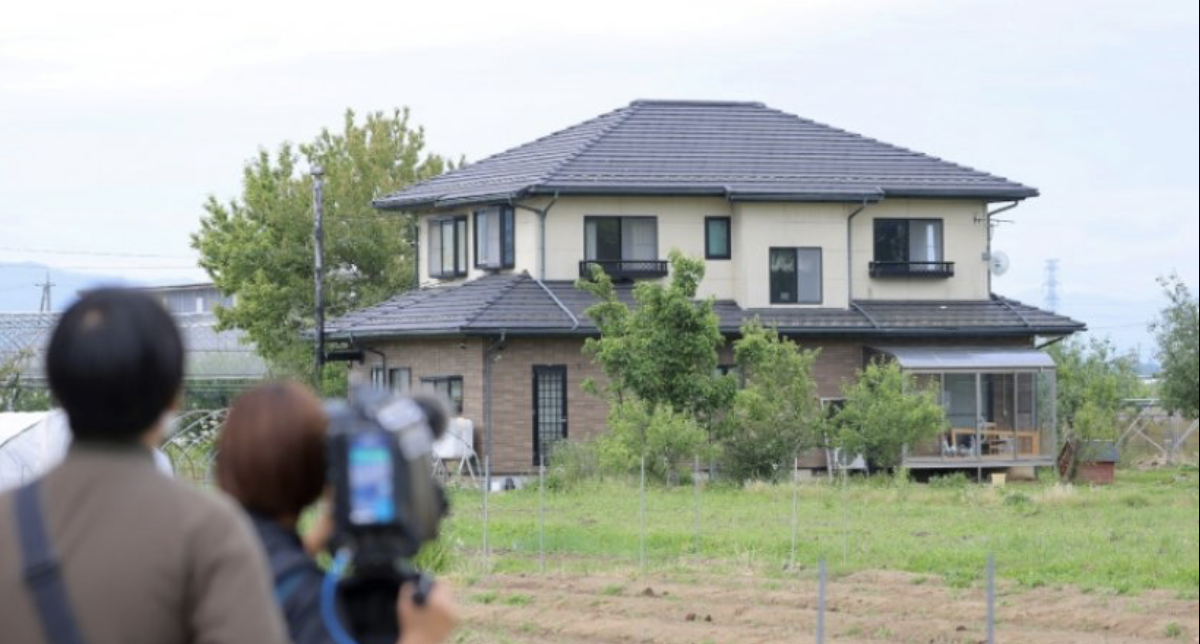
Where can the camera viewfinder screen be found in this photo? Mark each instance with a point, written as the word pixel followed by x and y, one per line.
pixel 372 497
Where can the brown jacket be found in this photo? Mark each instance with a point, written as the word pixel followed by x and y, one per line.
pixel 145 559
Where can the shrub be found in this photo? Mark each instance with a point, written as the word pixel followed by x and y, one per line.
pixel 668 439
pixel 955 481
pixel 573 463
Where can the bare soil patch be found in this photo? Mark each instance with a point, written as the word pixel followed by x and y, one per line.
pixel 751 609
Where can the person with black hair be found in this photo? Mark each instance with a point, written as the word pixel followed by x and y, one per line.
pixel 104 549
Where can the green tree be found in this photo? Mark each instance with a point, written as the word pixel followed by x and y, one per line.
pixel 1178 342
pixel 259 246
pixel 1095 381
pixel 664 350
pixel 886 410
pixel 777 414
pixel 667 438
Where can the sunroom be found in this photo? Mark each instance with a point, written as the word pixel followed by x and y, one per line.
pixel 1000 402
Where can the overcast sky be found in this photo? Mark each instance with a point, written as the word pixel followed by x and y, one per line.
pixel 117 119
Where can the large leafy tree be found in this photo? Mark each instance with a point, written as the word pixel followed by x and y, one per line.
pixel 259 247
pixel 777 414
pixel 1178 335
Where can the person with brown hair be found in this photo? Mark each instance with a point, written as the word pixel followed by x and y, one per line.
pixel 271 459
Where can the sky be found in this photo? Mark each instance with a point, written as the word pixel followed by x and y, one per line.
pixel 118 119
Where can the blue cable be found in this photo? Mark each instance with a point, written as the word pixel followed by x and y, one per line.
pixel 329 600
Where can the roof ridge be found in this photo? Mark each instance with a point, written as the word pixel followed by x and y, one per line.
pixel 622 115
pixel 695 102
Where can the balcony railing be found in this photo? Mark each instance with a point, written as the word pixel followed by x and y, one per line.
pixel 626 269
pixel 930 270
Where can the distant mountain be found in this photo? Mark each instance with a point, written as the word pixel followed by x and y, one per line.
pixel 20 293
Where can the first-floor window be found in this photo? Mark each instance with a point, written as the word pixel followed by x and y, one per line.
pixel 400 381
pixel 448 247
pixel 449 388
pixel 378 378
pixel 796 276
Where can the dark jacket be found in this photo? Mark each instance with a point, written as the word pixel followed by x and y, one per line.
pixel 297 582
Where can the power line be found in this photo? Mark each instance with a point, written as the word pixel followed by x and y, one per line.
pixel 90 253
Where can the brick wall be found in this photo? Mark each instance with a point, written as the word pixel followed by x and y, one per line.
pixel 512 382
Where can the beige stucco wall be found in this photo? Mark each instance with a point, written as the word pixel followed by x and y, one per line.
pixel 762 226
pixel 757 227
pixel 680 226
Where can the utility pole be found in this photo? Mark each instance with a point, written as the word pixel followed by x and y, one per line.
pixel 1051 285
pixel 47 287
pixel 318 175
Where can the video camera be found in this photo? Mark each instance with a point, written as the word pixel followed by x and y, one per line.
pixel 386 504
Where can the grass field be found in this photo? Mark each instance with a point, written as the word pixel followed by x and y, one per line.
pixel 1139 535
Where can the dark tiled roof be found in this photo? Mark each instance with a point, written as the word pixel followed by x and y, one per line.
pixel 738 150
pixel 520 305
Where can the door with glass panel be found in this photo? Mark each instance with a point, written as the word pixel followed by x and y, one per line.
pixel 549 410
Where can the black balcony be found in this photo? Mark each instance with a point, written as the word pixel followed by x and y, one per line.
pixel 927 270
pixel 626 269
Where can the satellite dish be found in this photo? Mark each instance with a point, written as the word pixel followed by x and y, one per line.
pixel 1000 263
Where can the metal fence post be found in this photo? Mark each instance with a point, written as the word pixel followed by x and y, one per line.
pixel 795 512
pixel 542 515
pixel 696 499
pixel 642 526
pixel 487 490
pixel 822 582
pixel 991 599
pixel 845 525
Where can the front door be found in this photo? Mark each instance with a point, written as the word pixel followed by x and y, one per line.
pixel 549 410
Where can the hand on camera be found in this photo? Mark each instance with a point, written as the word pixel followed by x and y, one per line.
pixel 429 624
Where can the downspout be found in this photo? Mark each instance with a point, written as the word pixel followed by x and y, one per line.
pixel 850 251
pixel 541 213
pixel 988 220
pixel 383 364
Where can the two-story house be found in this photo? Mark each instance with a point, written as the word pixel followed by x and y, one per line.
pixel 849 245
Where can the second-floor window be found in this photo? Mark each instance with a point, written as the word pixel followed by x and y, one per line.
pixel 796 275
pixel 913 243
pixel 448 247
pixel 717 237
pixel 620 238
pixel 494 238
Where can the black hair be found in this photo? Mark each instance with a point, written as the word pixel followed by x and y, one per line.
pixel 115 364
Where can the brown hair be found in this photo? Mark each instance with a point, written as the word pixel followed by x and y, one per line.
pixel 271 453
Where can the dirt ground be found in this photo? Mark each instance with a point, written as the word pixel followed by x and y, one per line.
pixel 748 609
